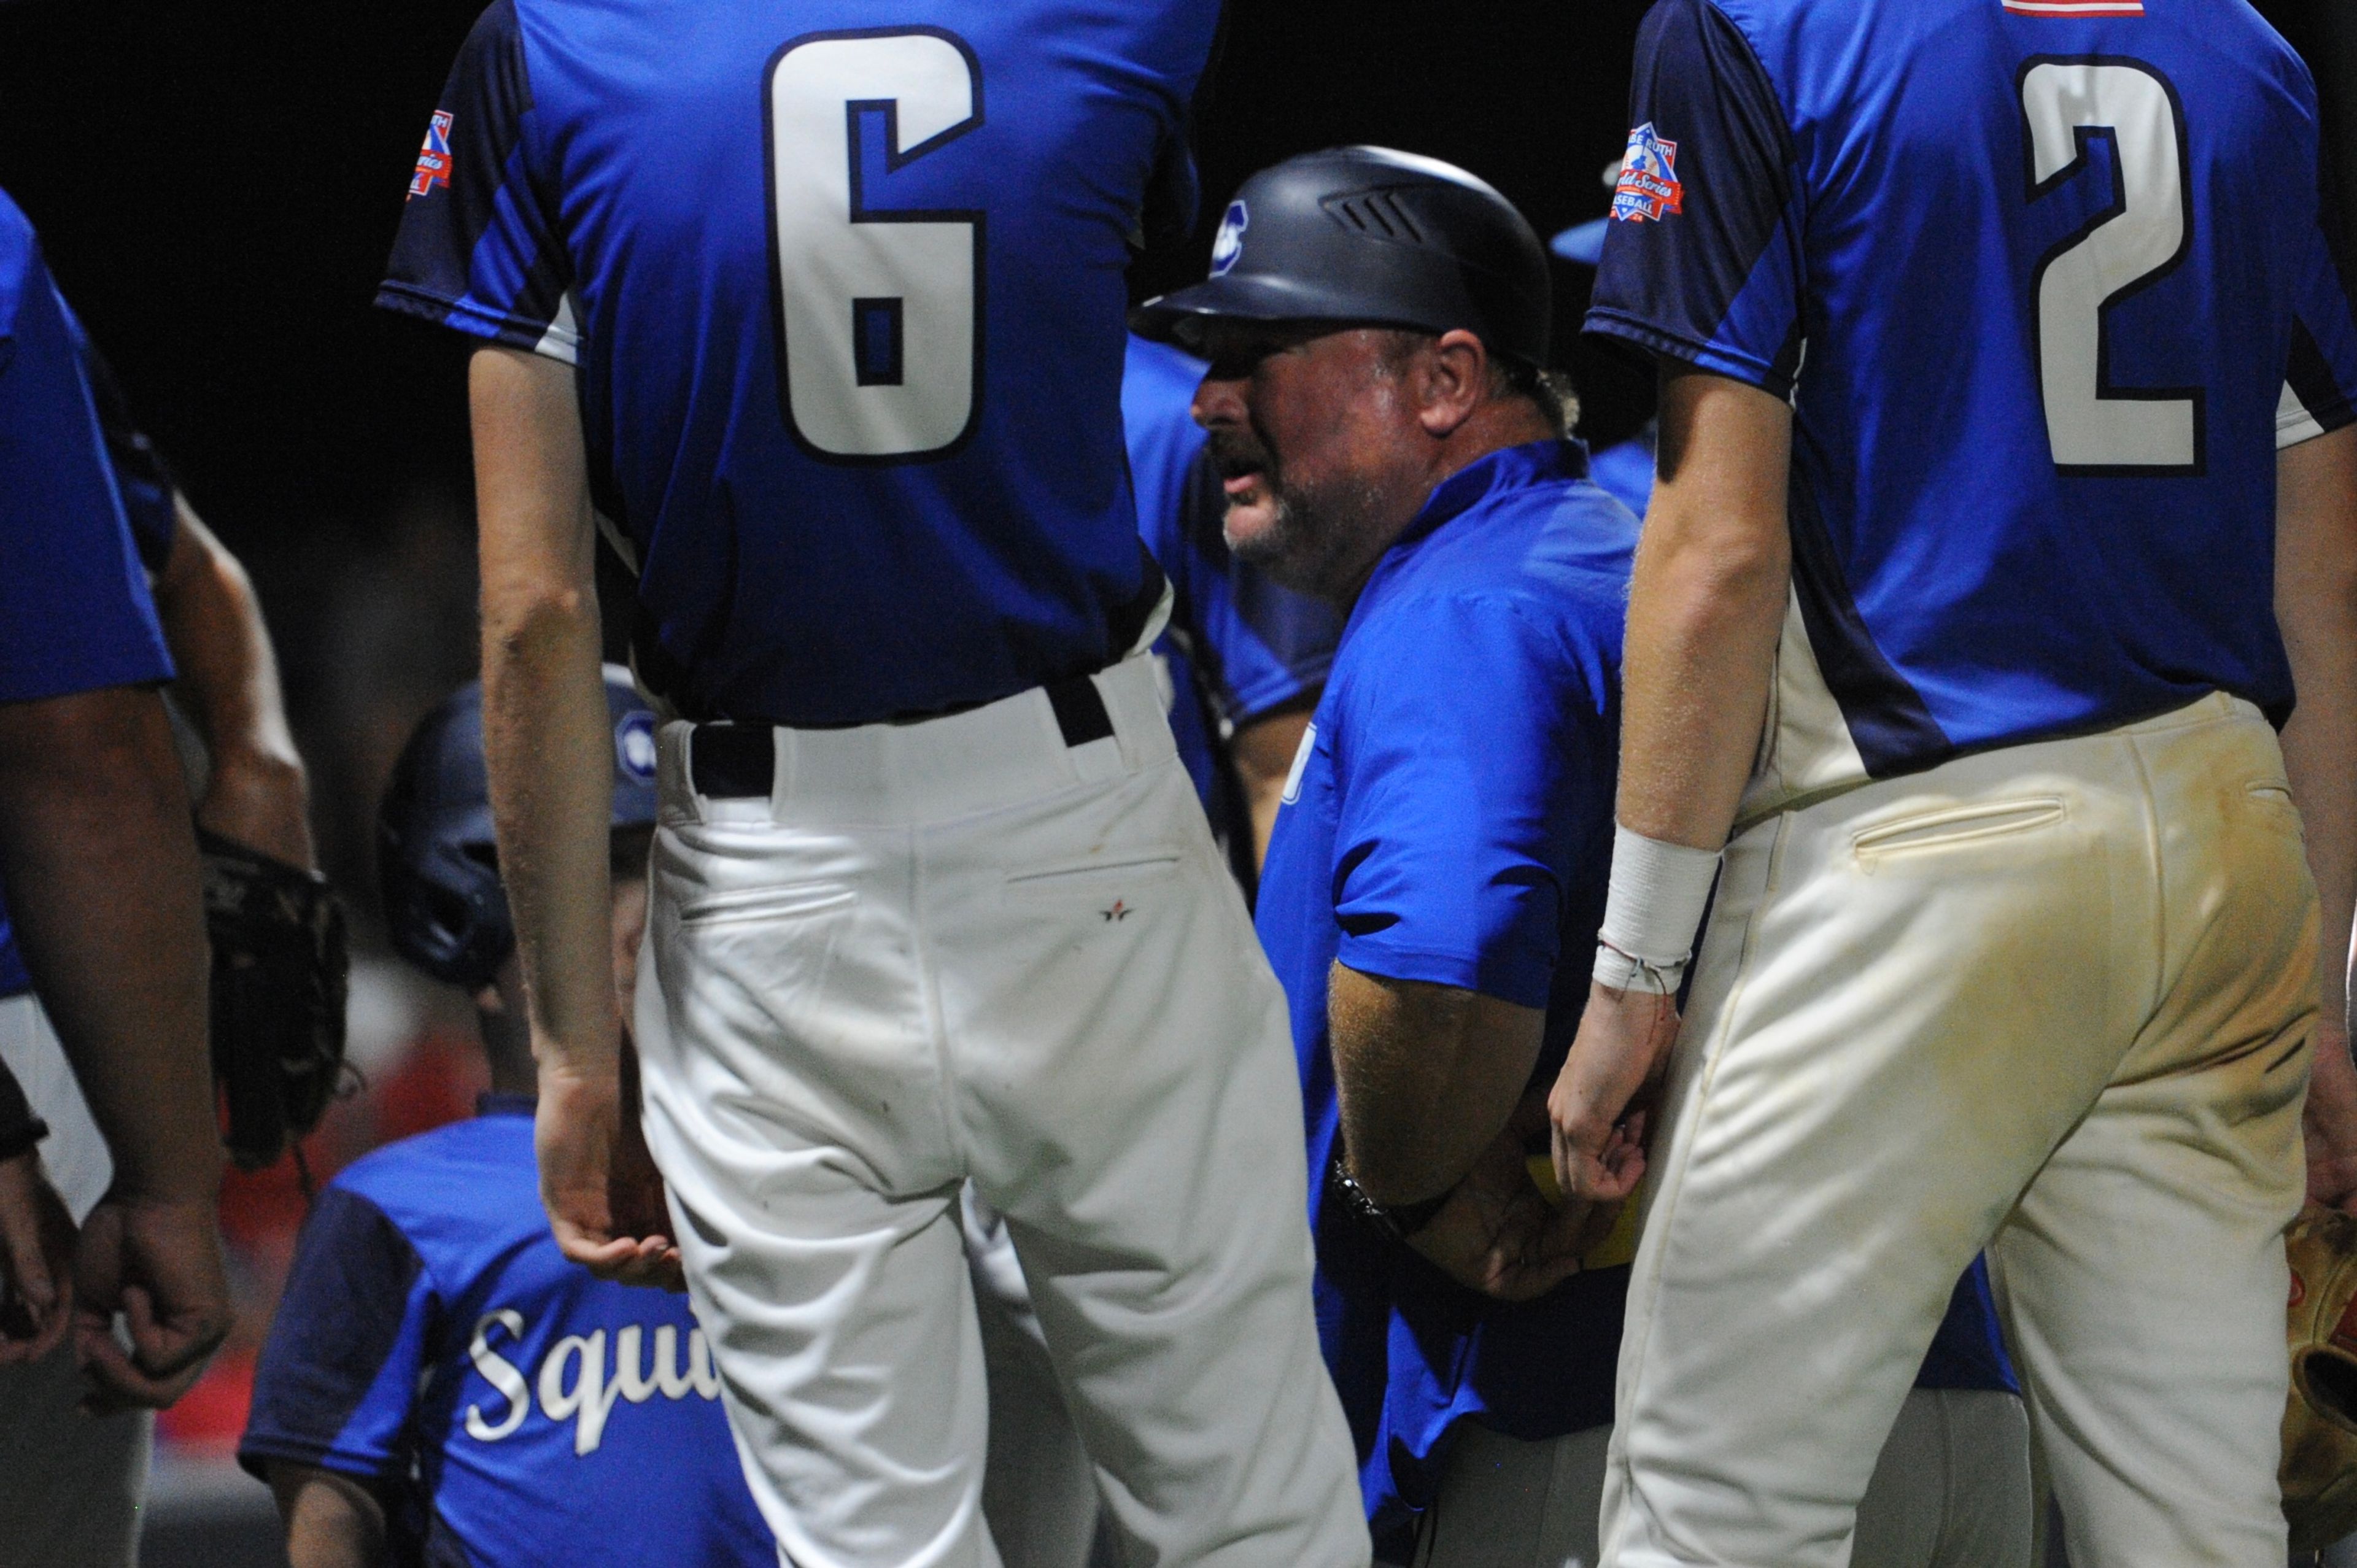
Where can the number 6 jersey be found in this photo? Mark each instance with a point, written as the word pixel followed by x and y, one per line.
pixel 2048 283
pixel 845 288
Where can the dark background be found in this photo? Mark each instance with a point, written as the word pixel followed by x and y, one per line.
pixel 217 185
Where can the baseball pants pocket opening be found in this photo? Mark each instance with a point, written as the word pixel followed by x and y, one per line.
pixel 1955 825
pixel 1091 877
pixel 784 902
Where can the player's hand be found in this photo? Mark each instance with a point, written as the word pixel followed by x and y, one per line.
pixel 604 1196
pixel 1497 1233
pixel 37 1244
pixel 2329 1124
pixel 158 1262
pixel 1622 1046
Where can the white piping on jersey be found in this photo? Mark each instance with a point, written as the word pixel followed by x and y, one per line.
pixel 2294 422
pixel 562 341
pixel 1805 747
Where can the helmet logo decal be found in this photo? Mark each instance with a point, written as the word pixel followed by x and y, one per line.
pixel 1228 247
pixel 634 746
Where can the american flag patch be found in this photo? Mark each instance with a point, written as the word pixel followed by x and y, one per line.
pixel 2075 7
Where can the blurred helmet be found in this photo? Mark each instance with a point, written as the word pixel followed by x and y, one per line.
pixel 437 864
pixel 1369 236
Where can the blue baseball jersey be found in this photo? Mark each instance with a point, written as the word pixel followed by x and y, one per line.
pixel 1625 471
pixel 1425 837
pixel 1239 647
pixel 846 301
pixel 506 1406
pixel 2047 283
pixel 75 613
pixel 141 475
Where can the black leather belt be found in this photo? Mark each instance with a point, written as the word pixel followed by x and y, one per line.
pixel 734 761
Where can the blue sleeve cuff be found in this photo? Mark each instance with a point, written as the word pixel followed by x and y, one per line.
pixel 1515 974
pixel 1716 358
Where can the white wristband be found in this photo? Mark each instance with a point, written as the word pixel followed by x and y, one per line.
pixel 1652 910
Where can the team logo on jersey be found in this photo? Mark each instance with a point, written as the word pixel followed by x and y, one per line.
pixel 1228 248
pixel 434 158
pixel 634 746
pixel 2075 7
pixel 1648 189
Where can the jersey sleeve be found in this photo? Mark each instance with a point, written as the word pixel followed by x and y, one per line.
pixel 75 612
pixel 1703 260
pixel 477 249
pixel 1457 834
pixel 339 1372
pixel 2320 391
pixel 141 478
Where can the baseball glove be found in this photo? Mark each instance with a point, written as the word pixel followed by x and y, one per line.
pixel 2320 1429
pixel 280 964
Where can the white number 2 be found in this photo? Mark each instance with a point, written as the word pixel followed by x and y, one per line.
pixel 2091 425
pixel 879 307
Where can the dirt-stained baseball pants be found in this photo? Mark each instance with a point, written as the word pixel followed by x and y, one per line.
pixel 998 945
pixel 2054 1000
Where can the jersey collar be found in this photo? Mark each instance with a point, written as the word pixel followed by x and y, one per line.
pixel 505 1104
pixel 1508 469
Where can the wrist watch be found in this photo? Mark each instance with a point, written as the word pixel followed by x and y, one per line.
pixel 1398 1222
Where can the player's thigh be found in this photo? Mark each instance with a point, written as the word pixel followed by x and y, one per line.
pixel 1951 1488
pixel 1905 999
pixel 71 1485
pixel 1506 1503
pixel 1129 1102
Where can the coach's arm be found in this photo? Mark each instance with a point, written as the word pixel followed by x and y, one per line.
pixel 2316 604
pixel 1433 1083
pixel 549 743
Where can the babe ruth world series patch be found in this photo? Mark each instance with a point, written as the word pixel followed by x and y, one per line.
pixel 1649 188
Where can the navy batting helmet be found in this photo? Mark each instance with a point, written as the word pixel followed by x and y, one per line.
pixel 437 862
pixel 1368 235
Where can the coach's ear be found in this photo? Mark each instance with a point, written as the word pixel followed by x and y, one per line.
pixel 1450 379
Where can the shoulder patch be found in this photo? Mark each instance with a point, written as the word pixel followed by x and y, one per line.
pixel 1649 188
pixel 434 158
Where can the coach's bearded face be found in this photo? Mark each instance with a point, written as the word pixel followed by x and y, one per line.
pixel 1306 432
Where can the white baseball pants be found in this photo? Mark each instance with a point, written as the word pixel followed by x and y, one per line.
pixel 1950 1491
pixel 2054 1000
pixel 966 949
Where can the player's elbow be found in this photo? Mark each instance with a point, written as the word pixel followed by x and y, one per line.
pixel 526 620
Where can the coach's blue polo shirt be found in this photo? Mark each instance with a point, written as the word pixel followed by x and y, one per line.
pixel 1450 821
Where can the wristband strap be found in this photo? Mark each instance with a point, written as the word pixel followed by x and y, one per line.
pixel 1396 1221
pixel 1652 910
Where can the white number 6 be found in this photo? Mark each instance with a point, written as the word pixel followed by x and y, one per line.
pixel 882 346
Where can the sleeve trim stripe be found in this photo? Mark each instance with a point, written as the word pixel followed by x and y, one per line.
pixel 1604 321
pixel 551 339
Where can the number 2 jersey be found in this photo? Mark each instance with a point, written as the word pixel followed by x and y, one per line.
pixel 2048 283
pixel 845 285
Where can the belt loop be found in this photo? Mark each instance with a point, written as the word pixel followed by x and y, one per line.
pixel 1080 712
pixel 732 761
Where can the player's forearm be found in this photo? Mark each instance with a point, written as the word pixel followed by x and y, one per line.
pixel 1426 1076
pixel 2316 605
pixel 255 792
pixel 545 731
pixel 102 875
pixel 332 1521
pixel 1713 575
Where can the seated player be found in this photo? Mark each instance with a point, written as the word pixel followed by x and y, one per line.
pixel 1438 873
pixel 440 1385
